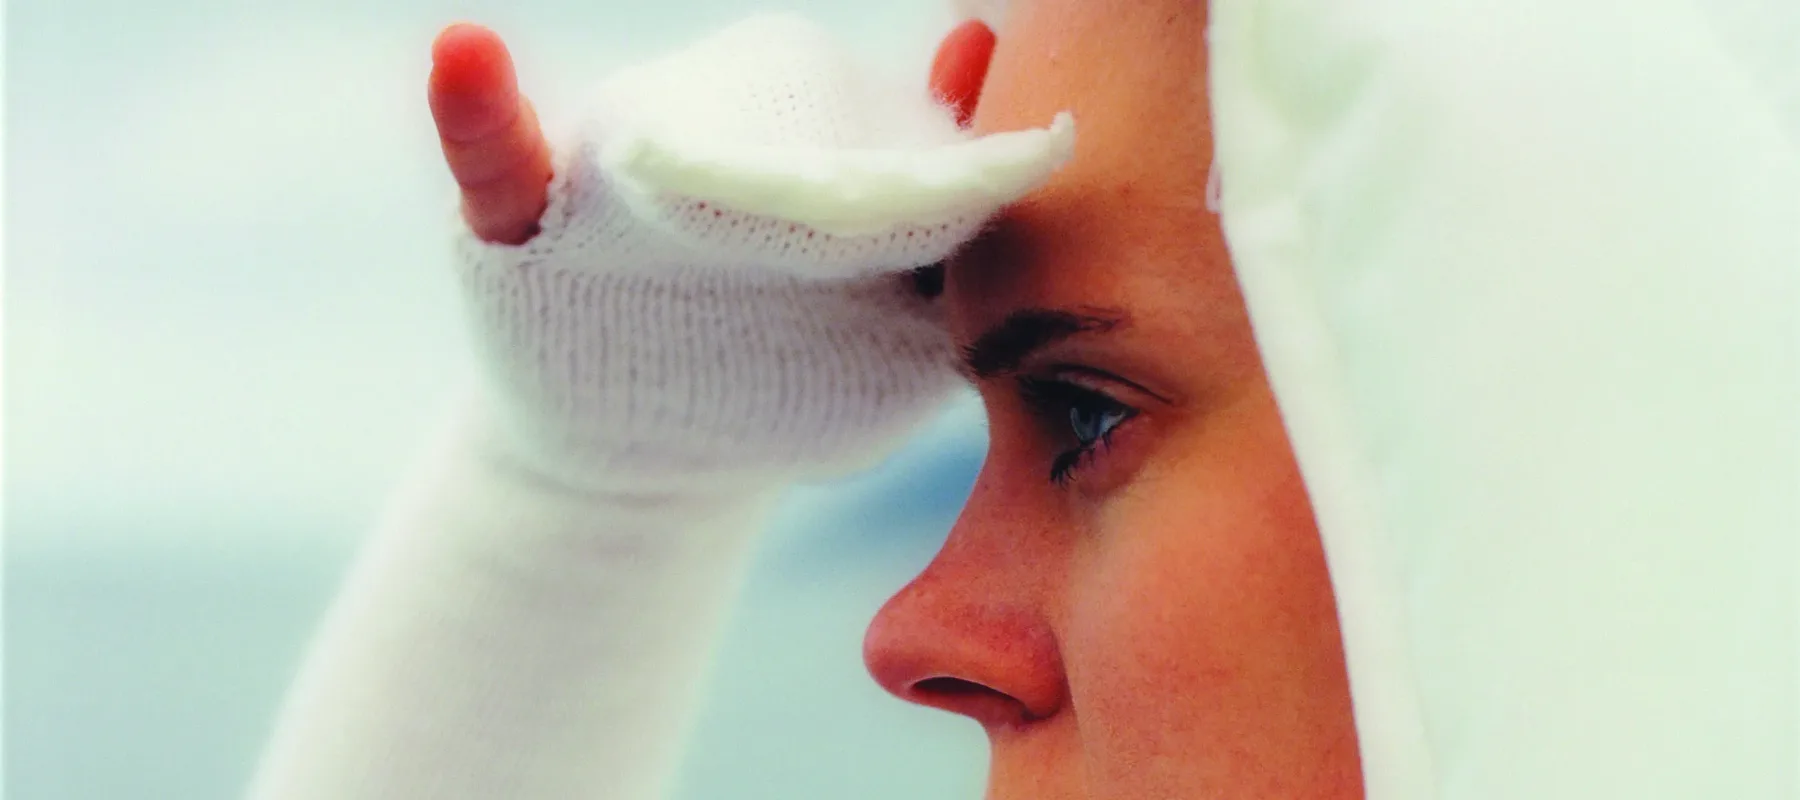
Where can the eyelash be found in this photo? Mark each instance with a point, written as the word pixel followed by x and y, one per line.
pixel 1058 403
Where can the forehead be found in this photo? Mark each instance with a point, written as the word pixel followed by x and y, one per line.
pixel 1124 224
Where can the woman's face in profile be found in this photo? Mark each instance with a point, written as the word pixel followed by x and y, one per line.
pixel 1134 603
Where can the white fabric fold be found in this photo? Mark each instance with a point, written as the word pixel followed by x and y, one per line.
pixel 1527 281
pixel 845 192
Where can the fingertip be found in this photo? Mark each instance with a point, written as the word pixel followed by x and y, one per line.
pixel 469 57
pixel 473 89
pixel 457 37
pixel 973 33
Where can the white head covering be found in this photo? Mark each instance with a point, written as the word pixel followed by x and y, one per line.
pixel 1526 277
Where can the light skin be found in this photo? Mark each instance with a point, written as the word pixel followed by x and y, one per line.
pixel 1154 620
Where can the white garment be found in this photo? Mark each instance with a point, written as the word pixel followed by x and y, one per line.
pixel 1527 280
pixel 717 304
pixel 1526 276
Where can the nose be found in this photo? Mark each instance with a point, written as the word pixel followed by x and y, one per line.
pixel 957 645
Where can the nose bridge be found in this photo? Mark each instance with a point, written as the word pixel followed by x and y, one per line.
pixel 1000 533
pixel 974 617
pixel 995 558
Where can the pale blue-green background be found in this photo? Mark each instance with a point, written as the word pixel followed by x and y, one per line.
pixel 227 329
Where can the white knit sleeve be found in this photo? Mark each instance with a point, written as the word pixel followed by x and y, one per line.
pixel 506 637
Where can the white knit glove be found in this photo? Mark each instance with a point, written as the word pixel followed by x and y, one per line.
pixel 719 288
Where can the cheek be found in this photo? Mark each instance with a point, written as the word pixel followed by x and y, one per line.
pixel 1146 642
pixel 1201 631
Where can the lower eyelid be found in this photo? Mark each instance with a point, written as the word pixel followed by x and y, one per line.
pixel 1112 463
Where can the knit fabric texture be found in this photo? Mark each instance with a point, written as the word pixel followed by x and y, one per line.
pixel 718 291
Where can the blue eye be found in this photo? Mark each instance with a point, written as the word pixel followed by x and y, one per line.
pixel 1090 417
pixel 1092 423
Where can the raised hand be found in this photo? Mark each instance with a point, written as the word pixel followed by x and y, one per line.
pixel 713 286
pixel 498 154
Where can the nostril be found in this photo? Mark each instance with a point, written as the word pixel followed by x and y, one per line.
pixel 951 687
pixel 986 705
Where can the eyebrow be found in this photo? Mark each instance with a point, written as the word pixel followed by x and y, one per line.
pixel 1001 348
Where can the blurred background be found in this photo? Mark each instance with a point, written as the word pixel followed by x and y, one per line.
pixel 228 327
